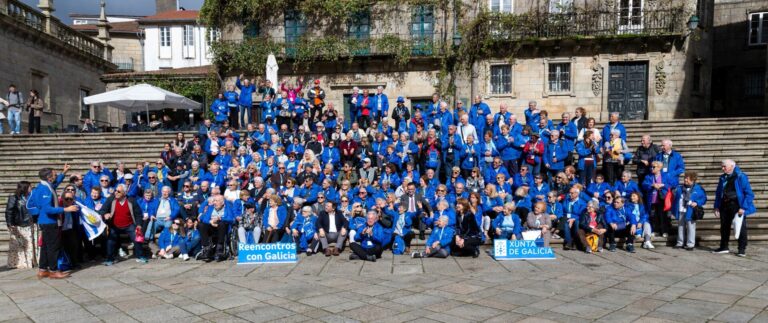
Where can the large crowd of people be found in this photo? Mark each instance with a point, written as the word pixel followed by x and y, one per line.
pixel 375 182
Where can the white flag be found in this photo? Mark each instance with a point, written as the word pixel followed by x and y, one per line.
pixel 91 220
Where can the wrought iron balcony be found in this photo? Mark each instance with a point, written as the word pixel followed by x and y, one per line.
pixel 123 64
pixel 586 24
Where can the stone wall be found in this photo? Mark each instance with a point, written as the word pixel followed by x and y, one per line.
pixel 32 59
pixel 128 47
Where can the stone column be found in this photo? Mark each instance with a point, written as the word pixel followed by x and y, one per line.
pixel 104 32
pixel 46 6
pixel 3 6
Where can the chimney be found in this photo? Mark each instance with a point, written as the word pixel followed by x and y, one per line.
pixel 166 5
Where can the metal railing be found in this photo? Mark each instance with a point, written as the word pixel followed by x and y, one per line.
pixel 516 27
pixel 123 63
pixel 33 18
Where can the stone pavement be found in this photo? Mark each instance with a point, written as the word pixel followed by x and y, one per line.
pixel 660 285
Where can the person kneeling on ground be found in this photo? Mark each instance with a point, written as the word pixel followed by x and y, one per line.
pixel 171 242
pixel 371 236
pixel 439 242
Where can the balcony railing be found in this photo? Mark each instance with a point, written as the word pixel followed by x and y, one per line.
pixel 33 18
pixel 123 64
pixel 595 24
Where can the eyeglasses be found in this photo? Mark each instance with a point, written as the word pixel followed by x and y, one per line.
pixel 441 190
pixel 103 181
pixel 69 190
pixel 345 200
pixel 187 186
pixel 152 177
pixel 121 192
pixel 320 197
pixel 177 223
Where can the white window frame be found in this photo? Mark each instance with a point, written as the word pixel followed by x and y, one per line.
pixel 630 28
pixel 571 73
pixel 214 35
pixel 511 79
pixel 164 42
pixel 188 41
pixel 560 6
pixel 511 6
pixel 763 19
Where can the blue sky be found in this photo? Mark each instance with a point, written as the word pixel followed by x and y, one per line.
pixel 117 7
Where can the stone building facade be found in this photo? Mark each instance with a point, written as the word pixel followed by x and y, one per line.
pixel 740 31
pixel 639 58
pixel 127 40
pixel 40 52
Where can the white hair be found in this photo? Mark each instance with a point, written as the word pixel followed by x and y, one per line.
pixel 666 142
pixel 729 162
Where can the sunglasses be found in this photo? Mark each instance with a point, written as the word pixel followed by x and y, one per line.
pixel 69 190
pixel 103 181
pixel 345 200
pixel 152 177
pixel 187 186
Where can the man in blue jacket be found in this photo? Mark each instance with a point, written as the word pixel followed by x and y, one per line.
pixel 439 243
pixel 555 153
pixel 614 124
pixel 372 237
pixel 215 223
pixel 573 207
pixel 246 100
pixel 733 198
pixel 478 112
pixel 673 163
pixel 91 178
pixel 43 204
pixel 379 104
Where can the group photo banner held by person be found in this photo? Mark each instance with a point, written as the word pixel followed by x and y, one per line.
pixel 520 250
pixel 266 253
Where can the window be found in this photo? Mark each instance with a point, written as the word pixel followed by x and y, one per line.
pixel 501 79
pixel 188 41
pixel 85 110
pixel 630 16
pixel 559 77
pixel 696 77
pixel 758 28
pixel 295 25
pixel 422 29
pixel 754 83
pixel 501 5
pixel 214 35
pixel 560 6
pixel 165 36
pixel 359 28
pixel 251 30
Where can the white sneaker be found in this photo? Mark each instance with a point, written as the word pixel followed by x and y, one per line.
pixel 645 245
pixel 185 257
pixel 650 245
pixel 122 253
pixel 168 256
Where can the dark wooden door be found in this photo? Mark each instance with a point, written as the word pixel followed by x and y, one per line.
pixel 628 90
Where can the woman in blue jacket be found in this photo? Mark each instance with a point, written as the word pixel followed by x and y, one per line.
pixel 688 198
pixel 304 231
pixel 439 243
pixel 508 225
pixel 588 151
pixel 171 242
pixel 273 219
pixel 626 185
pixel 656 185
pixel 635 207
pixel 220 109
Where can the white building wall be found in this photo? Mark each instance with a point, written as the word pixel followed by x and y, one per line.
pixel 176 59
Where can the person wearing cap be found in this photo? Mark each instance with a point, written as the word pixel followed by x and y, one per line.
pixel 368 170
pixel 400 112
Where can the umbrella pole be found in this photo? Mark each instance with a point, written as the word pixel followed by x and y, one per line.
pixel 147 106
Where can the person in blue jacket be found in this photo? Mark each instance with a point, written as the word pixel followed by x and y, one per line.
pixel 372 237
pixel 171 242
pixel 538 190
pixel 308 191
pixel 220 109
pixel 688 198
pixel 439 243
pixel 626 186
pixel 555 153
pixel 379 104
pixel 672 162
pixel 274 219
pixel 246 100
pixel 191 238
pixel 656 185
pixel 734 197
pixel 402 229
pixel 508 225
pixel 532 115
pixel 614 124
pixel 92 177
pixel 331 155
pixel 599 187
pixel 214 224
pixel 635 207
pixel 509 149
pixel 43 206
pixel 304 231
pixel 568 133
pixel 269 108
pixel 588 152
pixel 478 112
pixel 554 210
pixel 621 224
pixel 573 207
pixel 233 102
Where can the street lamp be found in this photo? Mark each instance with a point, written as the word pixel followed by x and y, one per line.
pixel 693 23
pixel 456 39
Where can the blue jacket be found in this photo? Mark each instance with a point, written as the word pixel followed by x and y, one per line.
pixel 676 165
pixel 531 119
pixel 517 230
pixel 556 209
pixel 40 204
pixel 232 98
pixel 637 211
pixel 228 217
pixel 308 194
pixel 508 148
pixel 282 215
pixel 557 150
pixel 166 239
pixel 245 93
pixel 148 207
pixel 220 110
pixel 606 133
pixel 444 236
pixel 91 179
pixel 374 105
pixel 490 174
pixel 534 191
pixel 471 154
pixel 377 237
pixel 478 119
pixel 331 155
pixel 449 213
pixel 174 207
pixel 572 210
pixel 408 218
pixel 307 227
pixel 619 216
pixel 214 180
pixel 569 133
pixel 584 152
pixel 393 179
pixel 668 181
pixel 599 189
pixel 743 192
pixel 269 109
pixel 627 189
pixel 521 181
pixel 697 195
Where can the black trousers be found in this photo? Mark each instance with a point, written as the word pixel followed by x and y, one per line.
pixel 70 241
pixel 34 123
pixel 49 252
pixel 659 219
pixel 234 114
pixel 727 212
pixel 623 233
pixel 363 253
pixel 470 245
pixel 208 232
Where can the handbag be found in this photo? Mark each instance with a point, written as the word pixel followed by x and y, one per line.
pixel 698 213
pixel 668 201
pixel 592 240
pixel 139 235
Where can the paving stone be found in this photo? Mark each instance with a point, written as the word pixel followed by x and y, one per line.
pixel 473 312
pixel 738 314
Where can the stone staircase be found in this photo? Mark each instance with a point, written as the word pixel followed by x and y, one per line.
pixel 703 143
